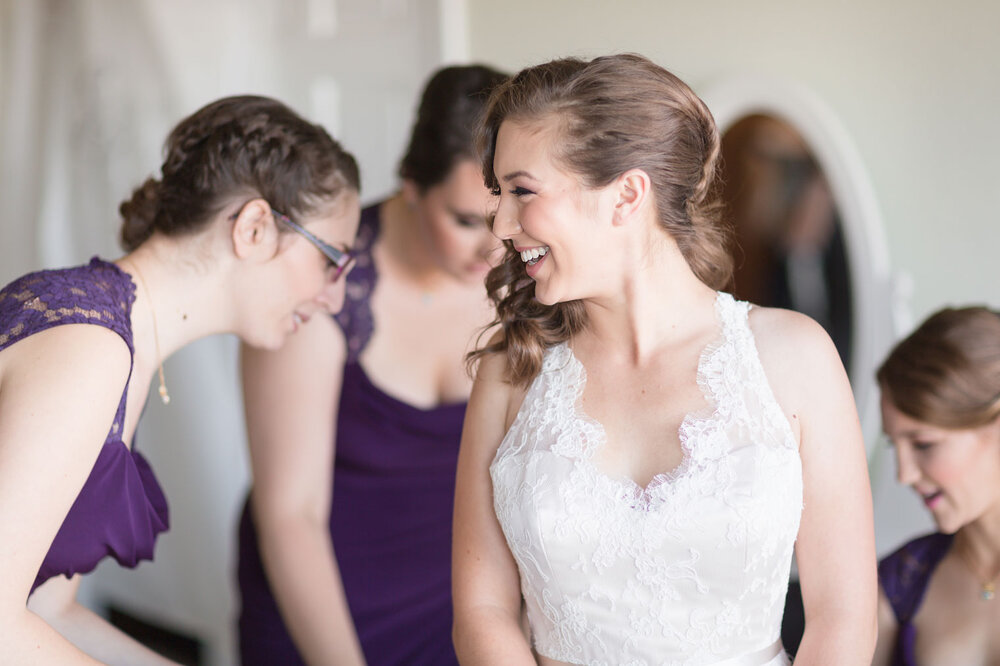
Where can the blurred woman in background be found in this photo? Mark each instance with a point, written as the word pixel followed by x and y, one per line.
pixel 941 411
pixel 354 429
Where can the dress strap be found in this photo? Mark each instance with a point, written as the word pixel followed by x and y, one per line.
pixel 355 318
pixel 98 293
pixel 732 375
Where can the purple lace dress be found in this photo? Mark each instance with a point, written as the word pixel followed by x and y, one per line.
pixel 391 515
pixel 904 577
pixel 120 509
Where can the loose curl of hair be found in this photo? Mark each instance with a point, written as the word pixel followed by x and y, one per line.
pixel 947 372
pixel 611 114
pixel 447 118
pixel 245 146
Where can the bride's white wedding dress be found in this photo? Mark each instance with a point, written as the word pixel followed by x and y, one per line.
pixel 692 569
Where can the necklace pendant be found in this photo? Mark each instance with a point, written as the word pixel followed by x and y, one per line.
pixel 165 397
pixel 989 592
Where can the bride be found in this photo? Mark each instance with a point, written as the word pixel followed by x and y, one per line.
pixel 625 542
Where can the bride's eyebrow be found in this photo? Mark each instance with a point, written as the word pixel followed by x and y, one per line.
pixel 516 174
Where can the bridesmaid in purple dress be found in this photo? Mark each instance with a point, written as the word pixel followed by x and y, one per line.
pixel 941 410
pixel 354 426
pixel 207 253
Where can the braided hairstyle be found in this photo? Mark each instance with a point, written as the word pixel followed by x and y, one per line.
pixel 245 147
pixel 947 372
pixel 612 114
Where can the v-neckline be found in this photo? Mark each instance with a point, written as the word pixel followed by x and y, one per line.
pixel 632 489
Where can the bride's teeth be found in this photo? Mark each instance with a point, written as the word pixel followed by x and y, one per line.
pixel 534 253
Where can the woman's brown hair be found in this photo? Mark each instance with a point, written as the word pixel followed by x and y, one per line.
pixel 444 132
pixel 947 372
pixel 612 114
pixel 242 146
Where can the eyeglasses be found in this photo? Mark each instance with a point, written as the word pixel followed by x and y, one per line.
pixel 340 260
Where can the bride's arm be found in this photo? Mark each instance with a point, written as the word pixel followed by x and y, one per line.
pixel 485 583
pixel 835 549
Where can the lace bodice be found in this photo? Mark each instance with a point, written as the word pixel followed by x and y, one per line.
pixel 692 569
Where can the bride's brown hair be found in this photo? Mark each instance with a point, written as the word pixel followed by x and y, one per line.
pixel 611 114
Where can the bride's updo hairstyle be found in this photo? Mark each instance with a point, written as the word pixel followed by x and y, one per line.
pixel 947 372
pixel 238 148
pixel 611 114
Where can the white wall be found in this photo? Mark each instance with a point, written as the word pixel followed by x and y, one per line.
pixel 915 84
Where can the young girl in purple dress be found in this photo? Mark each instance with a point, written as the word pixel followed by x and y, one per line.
pixel 245 232
pixel 941 410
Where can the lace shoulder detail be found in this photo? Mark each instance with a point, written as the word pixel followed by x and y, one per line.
pixel 98 293
pixel 355 318
pixel 553 393
pixel 733 377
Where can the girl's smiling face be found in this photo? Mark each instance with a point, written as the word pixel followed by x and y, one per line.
pixel 955 472
pixel 554 221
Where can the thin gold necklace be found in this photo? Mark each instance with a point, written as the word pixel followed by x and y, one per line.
pixel 988 589
pixel 164 396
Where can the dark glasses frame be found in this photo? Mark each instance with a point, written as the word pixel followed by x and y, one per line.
pixel 340 259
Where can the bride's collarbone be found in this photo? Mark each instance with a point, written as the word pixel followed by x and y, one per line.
pixel 641 419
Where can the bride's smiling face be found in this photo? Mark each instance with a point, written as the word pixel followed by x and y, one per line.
pixel 557 223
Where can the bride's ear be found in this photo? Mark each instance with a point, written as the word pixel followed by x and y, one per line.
pixel 633 190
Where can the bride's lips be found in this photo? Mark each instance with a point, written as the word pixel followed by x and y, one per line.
pixel 532 269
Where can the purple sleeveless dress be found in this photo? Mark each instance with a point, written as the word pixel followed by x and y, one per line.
pixel 391 515
pixel 904 576
pixel 120 509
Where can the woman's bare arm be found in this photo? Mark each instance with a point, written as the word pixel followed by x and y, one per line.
pixel 835 549
pixel 485 584
pixel 887 632
pixel 55 602
pixel 291 404
pixel 59 390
